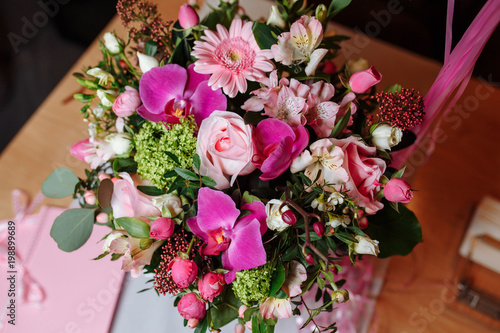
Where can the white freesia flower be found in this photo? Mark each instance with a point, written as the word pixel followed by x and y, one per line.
pixel 366 245
pixel 275 19
pixel 98 112
pixel 336 220
pixel 147 62
pixel 385 136
pixel 169 204
pixel 274 218
pixel 107 97
pixel 121 143
pixel 112 43
pixel 102 75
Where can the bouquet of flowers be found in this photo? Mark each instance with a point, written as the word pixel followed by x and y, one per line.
pixel 239 162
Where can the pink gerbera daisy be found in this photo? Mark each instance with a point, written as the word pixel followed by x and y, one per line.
pixel 231 57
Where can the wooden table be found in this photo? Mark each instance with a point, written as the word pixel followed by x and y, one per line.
pixel 419 294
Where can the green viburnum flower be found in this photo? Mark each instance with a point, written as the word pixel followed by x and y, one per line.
pixel 252 286
pixel 153 142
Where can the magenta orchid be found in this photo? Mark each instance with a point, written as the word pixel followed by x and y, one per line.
pixel 239 240
pixel 166 99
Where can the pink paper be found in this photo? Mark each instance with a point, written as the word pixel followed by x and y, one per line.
pixel 79 294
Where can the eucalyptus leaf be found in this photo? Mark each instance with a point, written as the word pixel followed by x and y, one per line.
pixel 136 228
pixel 104 193
pixel 398 233
pixel 60 183
pixel 73 228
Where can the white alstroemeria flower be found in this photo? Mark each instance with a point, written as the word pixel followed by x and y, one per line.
pixel 109 238
pixel 275 19
pixel 147 62
pixel 121 143
pixel 102 75
pixel 98 112
pixel 324 156
pixel 107 97
pixel 112 43
pixel 274 218
pixel 385 136
pixel 366 245
pixel 336 220
pixel 300 44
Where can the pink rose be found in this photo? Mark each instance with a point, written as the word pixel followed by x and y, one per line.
pixel 364 172
pixel 397 190
pixel 211 285
pixel 225 147
pixel 127 201
pixel 188 17
pixel 191 307
pixel 162 228
pixel 361 81
pixel 277 144
pixel 183 272
pixel 127 102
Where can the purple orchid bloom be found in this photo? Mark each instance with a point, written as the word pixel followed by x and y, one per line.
pixel 172 92
pixel 239 240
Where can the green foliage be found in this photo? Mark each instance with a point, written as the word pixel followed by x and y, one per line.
pixel 336 6
pixel 60 183
pixel 73 228
pixel 136 228
pixel 341 125
pixel 277 279
pixel 225 311
pixel 265 35
pixel 398 233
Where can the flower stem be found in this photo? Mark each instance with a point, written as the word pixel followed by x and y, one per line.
pixel 132 69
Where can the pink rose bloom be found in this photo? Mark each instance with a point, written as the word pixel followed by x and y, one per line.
pixel 127 201
pixel 192 307
pixel 162 228
pixel 127 102
pixel 277 144
pixel 211 285
pixel 188 17
pixel 361 81
pixel 225 147
pixel 397 190
pixel 364 172
pixel 183 271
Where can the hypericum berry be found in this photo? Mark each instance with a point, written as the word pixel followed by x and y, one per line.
pixel 363 223
pixel 319 228
pixel 403 109
pixel 310 259
pixel 289 217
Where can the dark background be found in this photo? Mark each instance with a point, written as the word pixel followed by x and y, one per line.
pixel 28 74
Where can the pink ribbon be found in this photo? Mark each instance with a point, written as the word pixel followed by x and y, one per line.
pixel 452 79
pixel 28 290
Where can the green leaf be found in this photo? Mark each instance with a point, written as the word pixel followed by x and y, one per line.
pixel 116 256
pixel 186 174
pixel 151 190
pixel 102 255
pixel 329 276
pixel 227 310
pixel 73 228
pixel 150 48
pixel 265 35
pixel 173 157
pixel 277 279
pixel 60 183
pixel 197 162
pixel 255 325
pixel 249 198
pixel 88 84
pixel 136 228
pixel 124 165
pixel 339 127
pixel 398 233
pixel 336 6
pixel 290 253
pixel 208 181
pixel 399 173
pixel 84 98
pixel 345 237
pixel 202 326
pixel 321 282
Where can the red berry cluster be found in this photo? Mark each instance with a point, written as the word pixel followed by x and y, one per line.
pixel 403 109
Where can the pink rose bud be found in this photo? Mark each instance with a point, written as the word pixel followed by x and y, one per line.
pixel 102 218
pixel 239 328
pixel 211 285
pixel 127 102
pixel 361 81
pixel 289 217
pixel 310 259
pixel 192 323
pixel 192 307
pixel 241 311
pixel 363 223
pixel 319 228
pixel 397 190
pixel 188 17
pixel 183 272
pixel 162 228
pixel 90 197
